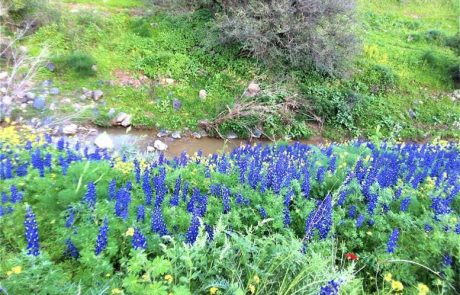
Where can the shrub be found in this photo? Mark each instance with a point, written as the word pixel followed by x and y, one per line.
pixel 80 62
pixel 300 34
pixel 141 27
pixel 454 72
pixel 34 13
pixel 453 42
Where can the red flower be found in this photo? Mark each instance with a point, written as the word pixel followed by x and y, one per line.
pixel 351 256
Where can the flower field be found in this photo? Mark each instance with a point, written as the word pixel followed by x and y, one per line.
pixel 354 218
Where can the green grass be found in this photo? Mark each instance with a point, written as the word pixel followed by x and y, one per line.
pixel 404 57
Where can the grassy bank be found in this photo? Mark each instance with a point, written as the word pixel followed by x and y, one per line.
pixel 401 86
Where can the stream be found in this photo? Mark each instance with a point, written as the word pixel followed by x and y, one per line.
pixel 139 140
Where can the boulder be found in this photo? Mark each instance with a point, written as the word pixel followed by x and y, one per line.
pixel 253 89
pixel 54 91
pixel 103 141
pixel 97 94
pixel 203 94
pixel 127 121
pixel 30 95
pixel 51 66
pixel 150 149
pixel 176 135
pixel 119 118
pixel 3 76
pixel 159 145
pixel 47 83
pixel 196 135
pixel 232 135
pixel 70 129
pixel 163 133
pixel 256 133
pixel 39 103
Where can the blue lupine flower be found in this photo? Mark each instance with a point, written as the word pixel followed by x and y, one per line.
pixel 192 232
pixel 342 198
pixel 457 228
pixel 31 233
pixel 101 241
pixel 352 211
pixel 4 198
pixel 16 196
pixel 428 228
pixel 122 203
pixel 175 197
pixel 137 171
pixel 226 199
pixel 64 164
pixel 360 221
pixel 139 241
pixel 320 174
pixel 71 218
pixel 158 224
pixel 209 231
pixel 447 260
pixel 71 250
pixel 404 204
pixel 90 196
pixel 262 213
pixel 140 215
pixel 392 242
pixel 112 189
pixel 147 187
pixel 332 288
pixel 287 217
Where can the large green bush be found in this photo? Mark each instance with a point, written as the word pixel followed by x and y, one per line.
pixel 299 34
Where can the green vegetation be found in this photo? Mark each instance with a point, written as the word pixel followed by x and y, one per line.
pixel 401 83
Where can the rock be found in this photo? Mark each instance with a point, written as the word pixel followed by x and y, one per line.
pixel 66 101
pixel 253 89
pixel 176 135
pixel 196 135
pixel 163 133
pixel 94 68
pixel 159 145
pixel 111 112
pixel 39 103
pixel 51 66
pixel 3 90
pixel 456 95
pixel 97 94
pixel 103 141
pixel 54 91
pixel 7 100
pixel 150 149
pixel 30 95
pixel 411 114
pixel 82 97
pixel 256 133
pixel 3 76
pixel 177 104
pixel 53 107
pixel 232 135
pixel 169 81
pixel 203 94
pixel 119 118
pixel 47 83
pixel 126 122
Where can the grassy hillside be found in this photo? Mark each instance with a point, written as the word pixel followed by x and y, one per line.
pixel 401 85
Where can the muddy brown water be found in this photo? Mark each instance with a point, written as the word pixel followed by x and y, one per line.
pixel 141 139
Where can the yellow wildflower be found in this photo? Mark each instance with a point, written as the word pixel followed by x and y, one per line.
pixel 213 290
pixel 9 273
pixel 146 277
pixel 117 291
pixel 252 288
pixel 107 275
pixel 16 269
pixel 256 279
pixel 129 232
pixel 397 285
pixel 369 233
pixel 422 289
pixel 388 277
pixel 168 278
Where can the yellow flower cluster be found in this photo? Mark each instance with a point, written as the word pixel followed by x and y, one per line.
pixel 129 232
pixel 14 270
pixel 123 167
pixel 395 285
pixel 422 289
